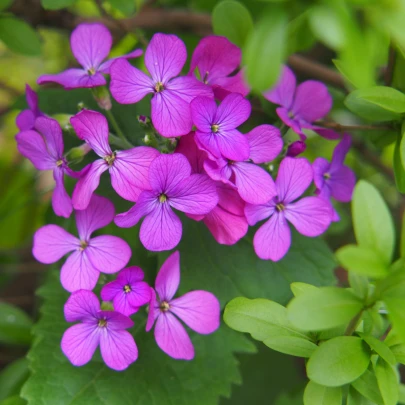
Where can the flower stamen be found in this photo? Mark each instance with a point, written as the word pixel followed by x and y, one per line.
pixel 127 288
pixel 164 306
pixel 159 87
pixel 102 323
pixel 162 198
pixel 83 245
pixel 214 128
pixel 110 159
pixel 59 162
pixel 280 207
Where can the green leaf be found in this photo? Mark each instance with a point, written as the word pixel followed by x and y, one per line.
pixel 399 352
pixel 316 394
pixel 385 97
pixel 14 400
pixel 267 321
pixel 387 382
pixel 367 386
pixel 323 308
pixel 298 288
pixel 265 51
pixel 355 398
pixel 372 221
pixel 56 4
pixel 338 361
pixel 359 284
pixel 127 7
pixel 401 399
pixel 4 4
pixel 15 325
pixel 19 36
pixel 380 348
pixel 362 260
pixel 402 241
pixel 232 19
pixel 398 165
pixel 12 378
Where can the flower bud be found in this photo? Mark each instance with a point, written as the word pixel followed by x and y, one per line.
pixel 102 96
pixel 296 148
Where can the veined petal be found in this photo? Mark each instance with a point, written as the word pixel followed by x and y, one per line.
pixel 188 88
pixel 291 122
pixel 115 320
pixel 52 132
pixel 232 112
pixel 255 213
pixel 82 305
pixel 203 110
pixel 320 167
pixel 32 100
pixel 74 79
pixel 105 66
pixel 283 92
pixel 61 202
pixel 25 120
pixel 340 152
pixel 231 84
pixel 187 146
pixel 140 295
pixel 168 278
pixel 219 170
pixel 265 143
pixel 229 199
pixel 130 275
pixel 233 145
pixel 208 142
pixel 342 184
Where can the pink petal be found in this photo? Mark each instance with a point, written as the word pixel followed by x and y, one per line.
pixel 324 132
pixel 105 67
pixel 61 202
pixel 293 178
pixel 165 56
pixel 284 90
pixel 73 79
pixel 115 320
pixel 79 343
pixel 118 349
pixel 51 243
pixel 168 278
pixel 82 305
pixel 230 200
pixel 342 184
pixel 172 338
pixel 188 88
pixel 130 275
pixel 233 145
pixel 152 312
pixel 232 112
pixel 255 213
pixel 25 120
pixel 311 216
pixel 128 84
pixel 292 122
pixel 52 132
pixel 208 142
pixel 112 290
pixel 203 110
pixel 199 310
pixel 265 143
pixel 273 239
pixel 140 294
pixel 219 170
pixel 188 147
pixel 320 167
pixel 32 100
pixel 232 84
pixel 340 152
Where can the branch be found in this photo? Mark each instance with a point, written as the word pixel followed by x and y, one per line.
pixel 343 128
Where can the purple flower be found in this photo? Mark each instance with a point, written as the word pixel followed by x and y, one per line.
pixel 26 119
pixel 96 327
pixel 254 184
pixel 216 58
pixel 165 56
pixel 335 179
pixel 90 45
pixel 296 148
pixel 90 256
pixel 216 126
pixel 173 186
pixel 199 310
pixel 46 153
pixel 301 105
pixel 128 292
pixel 128 168
pixel 311 216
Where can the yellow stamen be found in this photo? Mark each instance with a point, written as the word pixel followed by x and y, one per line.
pixel 280 207
pixel 162 198
pixel 127 288
pixel 214 128
pixel 164 306
pixel 159 87
pixel 102 323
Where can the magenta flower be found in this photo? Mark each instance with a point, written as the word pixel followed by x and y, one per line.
pixel 302 105
pixel 254 184
pixel 90 45
pixel 45 151
pixel 128 292
pixel 296 148
pixel 128 169
pixel 165 56
pixel 216 58
pixel 89 256
pixel 216 126
pixel 173 186
pixel 199 310
pixel 97 328
pixel 310 216
pixel 26 119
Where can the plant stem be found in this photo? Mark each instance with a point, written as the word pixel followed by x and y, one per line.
pixel 118 129
pixel 354 323
pixel 342 128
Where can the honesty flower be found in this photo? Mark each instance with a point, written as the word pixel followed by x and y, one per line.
pixel 311 216
pixel 165 56
pixel 173 186
pixel 26 119
pixel 128 168
pixel 96 327
pixel 199 310
pixel 215 58
pixel 216 126
pixel 46 153
pixel 90 45
pixel 301 105
pixel 90 256
pixel 128 292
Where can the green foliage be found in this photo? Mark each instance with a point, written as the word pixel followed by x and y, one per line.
pixel 367 386
pixel 380 348
pixel 12 378
pixel 399 156
pixel 127 7
pixel 15 325
pixel 316 394
pixel 387 382
pixel 56 4
pixel 4 4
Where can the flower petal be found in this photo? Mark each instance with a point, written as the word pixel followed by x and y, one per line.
pixel 152 312
pixel 25 120
pixel 230 200
pixel 105 66
pixel 32 100
pixel 187 146
pixel 232 112
pixel 342 184
pixel 233 145
pixel 130 275
pixel 292 122
pixel 320 167
pixel 231 84
pixel 115 320
pixel 61 202
pixel 219 170
pixel 340 152
pixel 255 213
pixel 52 132
pixel 188 88
pixel 82 305
pixel 283 92
pixel 265 143
pixel 168 278
pixel 208 142
pixel 203 110
pixel 74 79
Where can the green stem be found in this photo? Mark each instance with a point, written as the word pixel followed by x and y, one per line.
pixel 118 129
pixel 354 323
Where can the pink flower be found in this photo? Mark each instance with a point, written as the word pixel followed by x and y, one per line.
pixel 172 186
pixel 216 126
pixel 97 328
pixel 45 151
pixel 128 168
pixel 128 292
pixel 165 56
pixel 311 216
pixel 90 256
pixel 26 119
pixel 199 310
pixel 90 44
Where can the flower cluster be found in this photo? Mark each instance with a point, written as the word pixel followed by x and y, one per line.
pixel 214 173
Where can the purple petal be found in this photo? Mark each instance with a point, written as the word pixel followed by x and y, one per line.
pixel 292 122
pixel 25 120
pixel 230 200
pixel 320 167
pixel 111 290
pixel 61 202
pixel 128 84
pixel 265 143
pixel 342 184
pixel 273 239
pixel 188 88
pixel 293 178
pixel 233 145
pixel 115 320
pixel 79 343
pixel 105 67
pixel 311 216
pixel 52 132
pixel 130 275
pixel 199 310
pixel 312 101
pixel 172 338
pixel 82 305
pixel 232 112
pixel 283 92
pixel 219 170
pixel 118 349
pixel 86 185
pixel 168 278
pixel 296 148
pixel 324 132
pixel 203 110
pixel 74 79
pixel 165 56
pixel 255 185
pixel 255 213
pixel 232 84
pixel 32 100
pixel 152 312
pixel 208 142
pixel 196 157
pixel 140 294
pixel 340 152
pixel 51 243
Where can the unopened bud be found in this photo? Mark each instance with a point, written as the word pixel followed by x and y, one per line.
pixel 296 148
pixel 81 106
pixel 102 96
pixel 76 154
pixel 143 120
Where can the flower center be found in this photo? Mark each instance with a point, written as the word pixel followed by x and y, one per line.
pixel 327 176
pixel 127 288
pixel 59 162
pixel 214 127
pixel 162 198
pixel 290 114
pixel 91 71
pixel 102 323
pixel 280 207
pixel 110 159
pixel 159 87
pixel 83 245
pixel 164 306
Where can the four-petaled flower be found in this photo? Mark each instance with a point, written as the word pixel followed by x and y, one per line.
pixel 97 328
pixel 26 119
pixel 199 310
pixel 90 44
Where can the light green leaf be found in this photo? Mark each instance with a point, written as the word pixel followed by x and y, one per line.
pixel 355 398
pixel 298 288
pixel 127 7
pixel 12 378
pixel 387 382
pixel 385 97
pixel 316 394
pixel 401 399
pixel 399 352
pixel 4 4
pixel 338 361
pixel 359 284
pixel 398 165
pixel 367 386
pixel 15 325
pixel 380 348
pixel 402 241
pixel 56 4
